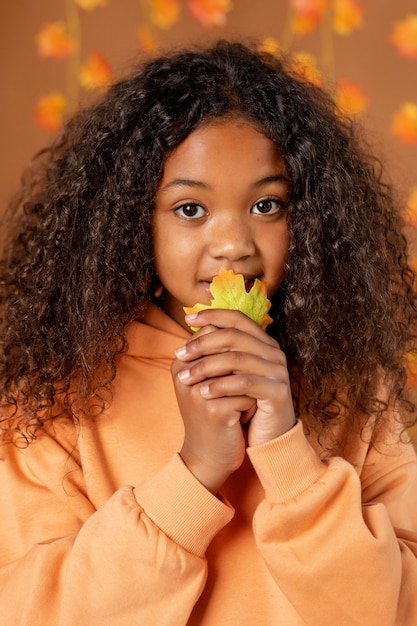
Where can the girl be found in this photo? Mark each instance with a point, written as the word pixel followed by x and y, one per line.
pixel 231 476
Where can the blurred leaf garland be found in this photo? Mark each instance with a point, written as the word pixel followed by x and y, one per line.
pixel 62 41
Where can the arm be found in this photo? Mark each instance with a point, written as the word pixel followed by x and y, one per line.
pixel 324 536
pixel 65 563
pixel 334 546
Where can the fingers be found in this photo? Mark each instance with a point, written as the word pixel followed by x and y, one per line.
pixel 239 334
pixel 234 362
pixel 222 318
pixel 229 373
pixel 252 386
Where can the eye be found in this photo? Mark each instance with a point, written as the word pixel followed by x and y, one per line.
pixel 190 211
pixel 269 206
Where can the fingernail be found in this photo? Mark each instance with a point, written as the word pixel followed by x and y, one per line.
pixel 191 317
pixel 180 352
pixel 205 391
pixel 184 375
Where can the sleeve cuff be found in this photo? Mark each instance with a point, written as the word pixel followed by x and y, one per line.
pixel 286 466
pixel 182 507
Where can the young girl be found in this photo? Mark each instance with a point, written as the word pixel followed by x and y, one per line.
pixel 151 475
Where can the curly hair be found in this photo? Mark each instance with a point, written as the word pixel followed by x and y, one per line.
pixel 78 268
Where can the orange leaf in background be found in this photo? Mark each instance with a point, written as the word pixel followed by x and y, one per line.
pixel 90 5
pixel 411 367
pixel 164 13
pixel 270 45
pixel 307 14
pixel 147 41
pixel 411 209
pixel 95 72
pixel 304 24
pixel 305 66
pixel 350 98
pixel 404 124
pixel 307 7
pixel 209 12
pixel 49 111
pixel 413 263
pixel 404 36
pixel 346 16
pixel 54 42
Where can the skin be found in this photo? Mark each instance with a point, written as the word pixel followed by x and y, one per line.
pixel 231 378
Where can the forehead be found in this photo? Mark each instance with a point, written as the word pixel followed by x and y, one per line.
pixel 230 146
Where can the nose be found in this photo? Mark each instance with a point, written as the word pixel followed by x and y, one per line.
pixel 231 239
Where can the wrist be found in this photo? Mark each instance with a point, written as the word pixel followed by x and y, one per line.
pixel 210 477
pixel 259 436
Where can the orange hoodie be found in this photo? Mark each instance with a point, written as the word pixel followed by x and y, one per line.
pixel 104 525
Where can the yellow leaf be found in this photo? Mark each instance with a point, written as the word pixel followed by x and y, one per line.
pixel 411 209
pixel 270 45
pixel 350 98
pixel 95 72
pixel 404 124
pixel 305 66
pixel 347 15
pixel 90 5
pixel 53 41
pixel 164 13
pixel 49 111
pixel 404 36
pixel 302 24
pixel 306 15
pixel 146 39
pixel 210 12
pixel 229 292
pixel 411 368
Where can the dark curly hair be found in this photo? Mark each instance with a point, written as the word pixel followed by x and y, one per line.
pixel 78 268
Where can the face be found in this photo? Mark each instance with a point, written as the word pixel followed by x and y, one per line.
pixel 221 203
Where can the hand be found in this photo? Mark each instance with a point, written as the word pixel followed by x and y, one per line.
pixel 228 374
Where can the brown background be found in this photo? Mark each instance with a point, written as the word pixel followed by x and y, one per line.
pixel 365 57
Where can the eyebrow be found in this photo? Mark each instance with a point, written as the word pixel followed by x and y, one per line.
pixel 276 178
pixel 187 182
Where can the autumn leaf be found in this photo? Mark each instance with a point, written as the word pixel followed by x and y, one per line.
pixel 306 15
pixel 95 72
pixel 411 209
pixel 346 16
pixel 49 111
pixel 411 368
pixel 350 98
pixel 305 66
pixel 164 13
pixel 90 5
pixel 404 36
pixel 309 7
pixel 269 45
pixel 53 41
pixel 304 24
pixel 209 12
pixel 147 41
pixel 229 292
pixel 404 124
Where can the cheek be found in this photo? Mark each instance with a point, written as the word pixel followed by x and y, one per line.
pixel 276 258
pixel 160 241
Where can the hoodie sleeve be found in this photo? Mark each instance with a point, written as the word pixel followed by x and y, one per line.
pixel 325 533
pixel 71 564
